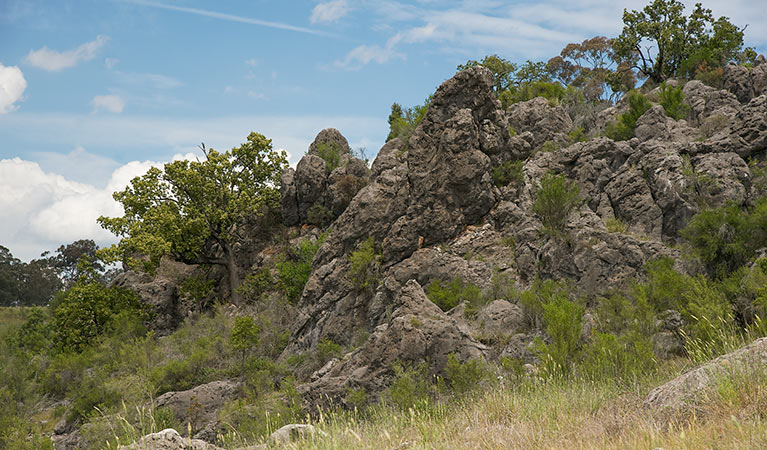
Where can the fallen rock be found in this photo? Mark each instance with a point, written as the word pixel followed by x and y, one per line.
pixel 696 384
pixel 168 439
pixel 199 406
pixel 292 432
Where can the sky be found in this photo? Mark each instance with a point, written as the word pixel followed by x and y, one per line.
pixel 94 92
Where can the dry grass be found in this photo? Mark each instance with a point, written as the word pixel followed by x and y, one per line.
pixel 556 415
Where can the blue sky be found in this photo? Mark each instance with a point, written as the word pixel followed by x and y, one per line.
pixel 93 92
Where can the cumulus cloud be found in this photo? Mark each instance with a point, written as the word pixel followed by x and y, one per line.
pixel 54 61
pixel 12 86
pixel 330 11
pixel 110 103
pixel 43 210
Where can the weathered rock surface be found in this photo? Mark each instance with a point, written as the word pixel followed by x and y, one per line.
pixel 161 293
pixel 199 406
pixel 295 431
pixel 169 439
pixel 313 184
pixel 543 121
pixel 696 384
pixel 417 331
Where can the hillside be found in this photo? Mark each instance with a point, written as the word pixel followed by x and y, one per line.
pixel 514 276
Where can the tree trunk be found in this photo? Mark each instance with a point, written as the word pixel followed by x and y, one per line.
pixel 233 275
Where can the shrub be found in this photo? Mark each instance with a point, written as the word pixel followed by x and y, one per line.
pixel 86 311
pixel 402 123
pixel 549 146
pixel 244 336
pixel 256 284
pixel 713 124
pixel 727 237
pixel 449 295
pixel 623 128
pixel 538 294
pixel 294 270
pixel 610 357
pixel 330 152
pixel 365 264
pixel 672 100
pixel 512 131
pixel 464 376
pixel 577 135
pixel 319 215
pixel 615 225
pixel 508 173
pixel 562 318
pixel 553 92
pixel 411 387
pixel 554 201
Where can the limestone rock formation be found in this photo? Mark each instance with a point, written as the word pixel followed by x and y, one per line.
pixel 543 121
pixel 316 193
pixel 169 439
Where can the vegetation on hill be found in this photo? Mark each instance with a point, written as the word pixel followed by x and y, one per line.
pixel 84 359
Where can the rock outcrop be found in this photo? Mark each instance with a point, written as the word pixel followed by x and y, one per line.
pixel 169 439
pixel 317 193
pixel 199 406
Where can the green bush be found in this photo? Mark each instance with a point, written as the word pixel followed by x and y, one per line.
pixel 294 270
pixel 402 123
pixel 411 387
pixel 86 311
pixel 508 173
pixel 623 129
pixel 256 284
pixel 549 146
pixel 578 134
pixel 609 357
pixel 449 295
pixel 555 200
pixel 672 100
pixel 553 92
pixel 330 152
pixel 538 294
pixel 464 377
pixel 563 325
pixel 364 265
pixel 319 215
pixel 615 225
pixel 244 337
pixel 727 237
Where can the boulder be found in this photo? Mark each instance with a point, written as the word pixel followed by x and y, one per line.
pixel 199 406
pixel 330 137
pixel 500 316
pixel 311 180
pixel 288 433
pixel 169 439
pixel 694 385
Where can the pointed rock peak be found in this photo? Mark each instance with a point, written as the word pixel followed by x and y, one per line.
pixel 330 137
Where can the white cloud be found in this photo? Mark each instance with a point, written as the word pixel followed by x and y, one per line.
pixel 256 95
pixel 330 11
pixel 110 103
pixel 110 63
pixel 53 61
pixel 364 54
pixel 12 86
pixel 44 210
pixel 252 62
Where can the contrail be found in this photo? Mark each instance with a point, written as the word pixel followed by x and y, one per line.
pixel 229 17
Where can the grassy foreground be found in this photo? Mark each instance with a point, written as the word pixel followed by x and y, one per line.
pixel 557 414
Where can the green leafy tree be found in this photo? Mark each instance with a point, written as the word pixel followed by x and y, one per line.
pixel 504 71
pixel 67 257
pixel 661 42
pixel 593 67
pixel 402 122
pixel 192 209
pixel 244 337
